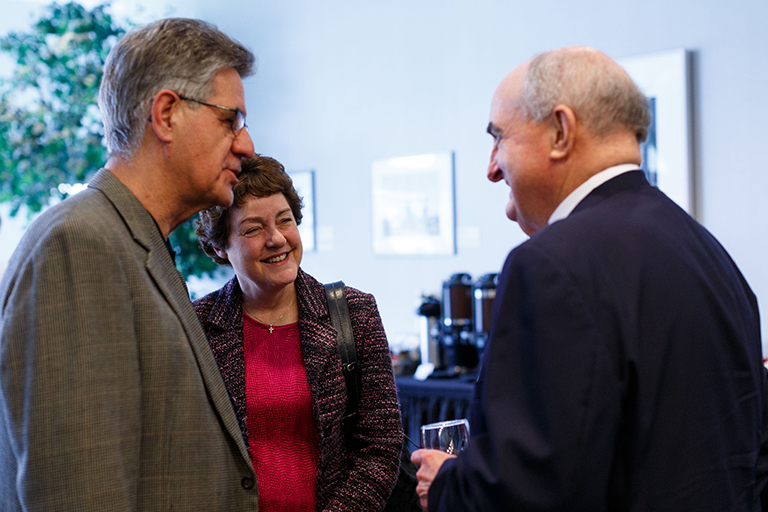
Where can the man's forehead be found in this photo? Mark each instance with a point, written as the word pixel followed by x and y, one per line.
pixel 512 84
pixel 506 93
pixel 228 84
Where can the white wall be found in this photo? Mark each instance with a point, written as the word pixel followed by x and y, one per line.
pixel 342 83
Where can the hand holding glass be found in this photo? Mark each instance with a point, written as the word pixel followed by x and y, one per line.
pixel 448 436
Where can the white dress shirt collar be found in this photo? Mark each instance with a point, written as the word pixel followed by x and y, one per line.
pixel 573 199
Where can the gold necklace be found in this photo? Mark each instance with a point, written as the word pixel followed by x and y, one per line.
pixel 275 321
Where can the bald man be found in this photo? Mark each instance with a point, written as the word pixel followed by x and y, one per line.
pixel 624 368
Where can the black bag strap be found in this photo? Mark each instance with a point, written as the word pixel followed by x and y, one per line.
pixel 350 366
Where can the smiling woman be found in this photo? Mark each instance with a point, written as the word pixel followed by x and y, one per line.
pixel 272 336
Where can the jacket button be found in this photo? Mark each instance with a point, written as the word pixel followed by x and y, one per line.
pixel 247 483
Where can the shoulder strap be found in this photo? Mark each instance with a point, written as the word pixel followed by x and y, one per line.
pixel 337 307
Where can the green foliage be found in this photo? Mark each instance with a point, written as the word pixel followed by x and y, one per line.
pixel 50 126
pixel 190 259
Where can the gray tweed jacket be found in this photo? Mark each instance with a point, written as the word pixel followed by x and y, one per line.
pixel 110 398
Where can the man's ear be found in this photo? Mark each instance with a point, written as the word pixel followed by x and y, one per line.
pixel 563 132
pixel 163 106
pixel 221 254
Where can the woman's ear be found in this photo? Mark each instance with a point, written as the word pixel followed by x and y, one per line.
pixel 564 125
pixel 221 254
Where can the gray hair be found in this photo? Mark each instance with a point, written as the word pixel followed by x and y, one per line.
pixel 179 54
pixel 601 94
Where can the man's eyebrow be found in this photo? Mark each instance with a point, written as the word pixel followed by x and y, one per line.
pixel 492 129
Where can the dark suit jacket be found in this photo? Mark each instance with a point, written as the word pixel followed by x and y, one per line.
pixel 354 475
pixel 624 369
pixel 110 398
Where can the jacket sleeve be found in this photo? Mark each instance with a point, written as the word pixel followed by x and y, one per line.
pixel 69 381
pixel 374 458
pixel 547 402
pixel 761 469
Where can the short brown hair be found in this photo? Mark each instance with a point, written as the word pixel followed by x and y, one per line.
pixel 261 176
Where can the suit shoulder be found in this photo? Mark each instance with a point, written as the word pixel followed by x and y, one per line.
pixel 205 303
pixel 88 214
pixel 313 293
pixel 223 296
pixel 360 298
pixel 84 221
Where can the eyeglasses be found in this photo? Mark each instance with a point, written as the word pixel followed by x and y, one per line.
pixel 237 123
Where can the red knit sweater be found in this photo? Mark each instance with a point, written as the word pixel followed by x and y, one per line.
pixel 281 424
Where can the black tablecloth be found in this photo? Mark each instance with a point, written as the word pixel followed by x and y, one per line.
pixel 432 400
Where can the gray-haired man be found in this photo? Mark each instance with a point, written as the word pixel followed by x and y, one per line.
pixel 110 398
pixel 624 367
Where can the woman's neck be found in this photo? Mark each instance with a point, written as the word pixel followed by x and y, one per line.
pixel 272 307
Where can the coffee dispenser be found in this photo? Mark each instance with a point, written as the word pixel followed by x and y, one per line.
pixel 460 353
pixel 430 348
pixel 483 293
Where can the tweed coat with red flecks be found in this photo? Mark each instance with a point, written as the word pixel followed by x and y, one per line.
pixel 354 474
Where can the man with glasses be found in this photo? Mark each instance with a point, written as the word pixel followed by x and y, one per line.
pixel 110 398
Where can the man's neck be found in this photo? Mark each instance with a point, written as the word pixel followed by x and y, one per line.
pixel 145 179
pixel 591 155
pixel 568 204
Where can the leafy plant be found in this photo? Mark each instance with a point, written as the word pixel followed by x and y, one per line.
pixel 50 126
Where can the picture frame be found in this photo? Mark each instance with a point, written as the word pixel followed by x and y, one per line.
pixel 304 183
pixel 413 205
pixel 665 78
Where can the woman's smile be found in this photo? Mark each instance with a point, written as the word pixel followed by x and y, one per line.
pixel 276 259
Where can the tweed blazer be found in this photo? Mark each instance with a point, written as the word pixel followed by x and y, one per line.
pixel 354 475
pixel 110 398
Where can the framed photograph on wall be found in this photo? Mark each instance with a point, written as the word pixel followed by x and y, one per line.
pixel 413 205
pixel 665 79
pixel 304 183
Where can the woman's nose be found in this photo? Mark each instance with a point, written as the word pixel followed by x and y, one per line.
pixel 276 238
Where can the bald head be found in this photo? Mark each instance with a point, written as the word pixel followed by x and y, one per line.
pixel 601 94
pixel 558 120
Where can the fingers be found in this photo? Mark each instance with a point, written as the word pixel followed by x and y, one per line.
pixel 422 490
pixel 429 462
pixel 417 456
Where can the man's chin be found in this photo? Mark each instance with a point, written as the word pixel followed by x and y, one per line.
pixel 511 211
pixel 225 198
pixel 526 226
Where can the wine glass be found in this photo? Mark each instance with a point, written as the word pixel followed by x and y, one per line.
pixel 450 436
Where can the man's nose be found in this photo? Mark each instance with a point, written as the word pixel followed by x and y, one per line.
pixel 242 145
pixel 494 173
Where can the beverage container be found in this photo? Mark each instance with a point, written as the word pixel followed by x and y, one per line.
pixel 450 436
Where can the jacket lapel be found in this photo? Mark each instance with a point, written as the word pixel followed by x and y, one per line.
pixel 171 284
pixel 318 336
pixel 321 357
pixel 224 325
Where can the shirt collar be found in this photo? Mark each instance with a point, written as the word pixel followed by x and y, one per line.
pixel 573 199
